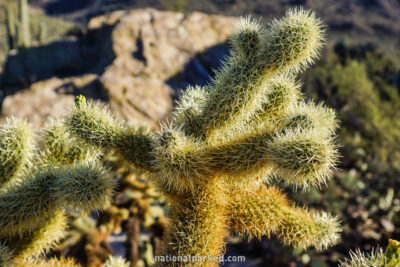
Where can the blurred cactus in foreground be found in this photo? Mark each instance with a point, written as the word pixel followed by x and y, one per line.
pixel 230 141
pixel 377 258
pixel 39 182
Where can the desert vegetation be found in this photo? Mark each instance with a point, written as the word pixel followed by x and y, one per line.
pixel 285 153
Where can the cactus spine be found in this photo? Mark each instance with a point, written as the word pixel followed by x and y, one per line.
pixel 229 141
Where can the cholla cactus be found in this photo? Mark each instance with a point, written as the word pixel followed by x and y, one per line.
pixel 216 162
pixel 377 258
pixel 38 182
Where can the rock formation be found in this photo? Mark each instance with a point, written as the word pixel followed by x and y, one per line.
pixel 127 58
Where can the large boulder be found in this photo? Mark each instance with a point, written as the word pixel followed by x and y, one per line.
pixel 133 60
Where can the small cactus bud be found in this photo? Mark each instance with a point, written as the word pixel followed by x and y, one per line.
pixel 80 100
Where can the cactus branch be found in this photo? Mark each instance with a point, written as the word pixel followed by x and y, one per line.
pixel 267 211
pixel 29 205
pixel 94 124
pixel 15 147
pixel 40 240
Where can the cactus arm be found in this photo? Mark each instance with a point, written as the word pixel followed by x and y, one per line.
pixel 27 206
pixel 374 259
pixel 267 211
pixel 16 145
pixel 58 147
pixel 293 42
pixel 301 158
pixel 40 240
pixel 137 147
pixel 299 148
pixel 281 93
pixel 357 258
pixel 237 89
pixel 189 108
pixel 94 124
pixel 310 116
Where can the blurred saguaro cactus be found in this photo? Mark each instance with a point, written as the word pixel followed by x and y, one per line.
pixel 18 31
pixel 230 141
pixel 24 32
pixel 39 182
pixel 43 35
pixel 11 28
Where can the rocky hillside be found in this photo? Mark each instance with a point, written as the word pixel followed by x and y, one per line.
pixel 131 59
pixel 360 19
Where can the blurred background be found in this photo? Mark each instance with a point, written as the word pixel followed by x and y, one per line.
pixel 138 55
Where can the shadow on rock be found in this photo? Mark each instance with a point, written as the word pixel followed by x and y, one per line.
pixel 89 54
pixel 200 69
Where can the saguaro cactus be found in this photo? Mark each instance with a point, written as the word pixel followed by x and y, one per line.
pixel 11 28
pixel 229 141
pixel 24 32
pixel 19 31
pixel 38 182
